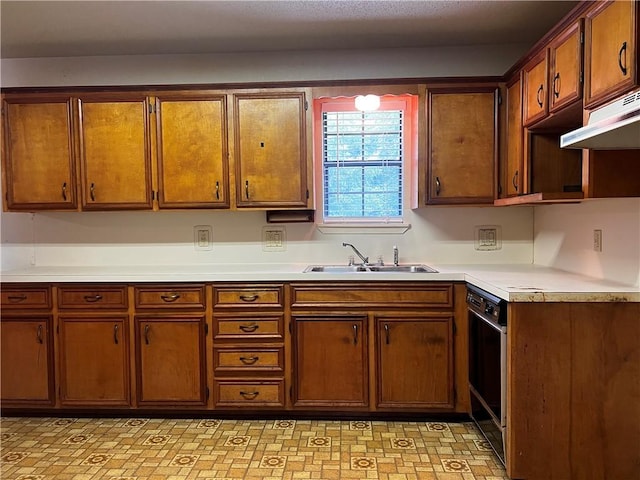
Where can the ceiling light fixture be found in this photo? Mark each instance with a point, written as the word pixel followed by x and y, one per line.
pixel 367 103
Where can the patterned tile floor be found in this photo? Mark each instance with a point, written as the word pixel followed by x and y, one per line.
pixel 201 449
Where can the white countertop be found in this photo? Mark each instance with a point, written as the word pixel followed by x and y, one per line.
pixel 514 283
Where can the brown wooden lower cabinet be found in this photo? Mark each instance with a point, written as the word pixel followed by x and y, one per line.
pixel 94 361
pixel 573 404
pixel 170 360
pixel 330 361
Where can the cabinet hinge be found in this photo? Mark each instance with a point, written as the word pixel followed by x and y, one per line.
pixel 206 389
pixel 455 329
pixel 291 393
pixel 152 108
pixel 290 328
pixel 57 328
pixel 206 329
pixel 455 396
pixel 581 77
pixel 306 105
pixel 307 194
pixel 499 98
pixel 581 37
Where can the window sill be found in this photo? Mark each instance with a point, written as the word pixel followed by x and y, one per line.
pixel 367 228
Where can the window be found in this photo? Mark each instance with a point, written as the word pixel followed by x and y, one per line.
pixel 363 158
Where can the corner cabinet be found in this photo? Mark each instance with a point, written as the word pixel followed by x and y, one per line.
pixel 462 145
pixel 612 31
pixel 39 153
pixel 192 151
pixel 271 150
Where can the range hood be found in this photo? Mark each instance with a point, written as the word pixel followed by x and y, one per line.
pixel 615 126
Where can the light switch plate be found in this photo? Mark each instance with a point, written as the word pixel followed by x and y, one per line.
pixel 274 239
pixel 203 237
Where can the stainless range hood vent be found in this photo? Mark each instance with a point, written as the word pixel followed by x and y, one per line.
pixel 613 127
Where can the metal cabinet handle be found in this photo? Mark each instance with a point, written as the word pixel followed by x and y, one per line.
pixel 64 191
pixel 115 334
pixel 623 49
pixel 249 360
pixel 556 81
pixel 17 298
pixel 540 90
pixel 217 190
pixel 170 298
pixel 514 181
pixel 355 334
pixel 437 185
pixel 39 334
pixel 249 395
pixel 246 189
pixel 249 298
pixel 92 298
pixel 386 333
pixel 146 334
pixel 92 192
pixel 252 327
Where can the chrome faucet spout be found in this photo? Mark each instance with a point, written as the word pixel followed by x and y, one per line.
pixel 365 260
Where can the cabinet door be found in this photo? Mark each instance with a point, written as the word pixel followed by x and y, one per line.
pixel 611 56
pixel 462 137
pixel 115 154
pixel 26 361
pixel 39 157
pixel 424 348
pixel 94 361
pixel 565 58
pixel 515 156
pixel 534 78
pixel 170 353
pixel 192 153
pixel 271 150
pixel 330 362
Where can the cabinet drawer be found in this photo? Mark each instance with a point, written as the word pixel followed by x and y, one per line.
pixel 236 360
pixel 93 297
pixel 379 295
pixel 258 393
pixel 263 327
pixel 171 296
pixel 248 296
pixel 25 298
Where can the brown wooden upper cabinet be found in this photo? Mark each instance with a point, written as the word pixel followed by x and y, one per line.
pixel 514 174
pixel 611 56
pixel 462 144
pixel 39 153
pixel 534 94
pixel 565 67
pixel 270 149
pixel 192 151
pixel 115 153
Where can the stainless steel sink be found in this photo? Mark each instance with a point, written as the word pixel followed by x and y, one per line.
pixel 369 268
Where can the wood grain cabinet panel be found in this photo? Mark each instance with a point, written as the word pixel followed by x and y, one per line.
pixel 115 153
pixel 190 297
pixel 248 327
pixel 192 151
pixel 270 150
pixel 19 297
pixel 514 175
pixel 248 296
pixel 611 50
pixel 423 347
pixel 535 89
pixel 93 297
pixel 250 393
pixel 94 361
pixel 26 361
pixel 565 67
pixel 39 153
pixel 462 150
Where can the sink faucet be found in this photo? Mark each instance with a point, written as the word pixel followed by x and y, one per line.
pixel 365 260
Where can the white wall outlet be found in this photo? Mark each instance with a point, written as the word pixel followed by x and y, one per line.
pixel 597 240
pixel 488 237
pixel 273 239
pixel 203 237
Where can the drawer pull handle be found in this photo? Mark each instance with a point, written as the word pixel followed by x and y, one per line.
pixel 249 360
pixel 386 333
pixel 17 298
pixel 249 395
pixel 252 327
pixel 115 334
pixel 39 334
pixel 623 49
pixel 146 334
pixel 249 298
pixel 92 298
pixel 170 298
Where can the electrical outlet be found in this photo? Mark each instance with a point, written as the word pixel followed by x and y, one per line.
pixel 203 237
pixel 273 239
pixel 488 237
pixel 597 240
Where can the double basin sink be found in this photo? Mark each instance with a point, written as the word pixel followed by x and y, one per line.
pixel 369 268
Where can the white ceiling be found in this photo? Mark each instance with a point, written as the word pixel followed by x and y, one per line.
pixel 87 28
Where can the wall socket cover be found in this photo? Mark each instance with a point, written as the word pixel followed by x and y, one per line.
pixel 488 237
pixel 203 237
pixel 274 239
